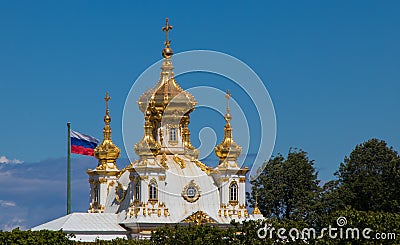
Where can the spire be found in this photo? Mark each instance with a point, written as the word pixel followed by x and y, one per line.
pixel 167 51
pixel 256 210
pixel 228 115
pixel 167 89
pixel 107 153
pixel 228 149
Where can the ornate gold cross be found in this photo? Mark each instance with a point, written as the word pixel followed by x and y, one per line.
pixel 227 96
pixel 107 98
pixel 167 28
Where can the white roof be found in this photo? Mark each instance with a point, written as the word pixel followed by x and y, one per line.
pixel 85 222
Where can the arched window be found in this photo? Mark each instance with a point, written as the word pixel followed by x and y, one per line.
pixel 96 193
pixel 137 191
pixel 153 191
pixel 172 134
pixel 233 192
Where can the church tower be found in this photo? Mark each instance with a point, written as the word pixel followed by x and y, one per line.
pixel 230 177
pixel 104 176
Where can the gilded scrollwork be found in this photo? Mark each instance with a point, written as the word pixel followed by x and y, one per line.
pixel 202 166
pixel 179 161
pixel 199 218
pixel 164 161
pixel 120 193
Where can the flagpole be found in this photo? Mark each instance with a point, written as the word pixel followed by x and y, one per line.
pixel 69 170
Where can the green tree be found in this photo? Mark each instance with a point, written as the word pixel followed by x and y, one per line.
pixel 17 236
pixel 288 188
pixel 369 179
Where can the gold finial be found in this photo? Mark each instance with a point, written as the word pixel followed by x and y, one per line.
pixel 106 152
pixel 167 51
pixel 107 118
pixel 256 209
pixel 228 96
pixel 167 28
pixel 228 149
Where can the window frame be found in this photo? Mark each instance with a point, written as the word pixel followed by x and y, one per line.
pixel 173 134
pixel 153 190
pixel 233 193
pixel 137 191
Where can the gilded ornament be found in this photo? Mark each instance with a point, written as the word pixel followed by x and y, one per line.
pixel 120 193
pixel 191 192
pixel 164 161
pixel 166 212
pixel 202 166
pixel 199 218
pixel 179 161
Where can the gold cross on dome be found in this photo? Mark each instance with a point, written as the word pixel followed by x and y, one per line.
pixel 107 98
pixel 227 96
pixel 167 28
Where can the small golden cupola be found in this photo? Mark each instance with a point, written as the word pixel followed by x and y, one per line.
pixel 228 150
pixel 107 152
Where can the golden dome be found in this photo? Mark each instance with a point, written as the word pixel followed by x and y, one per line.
pixel 228 149
pixel 167 92
pixel 107 151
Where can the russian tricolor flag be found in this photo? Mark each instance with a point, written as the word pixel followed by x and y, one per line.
pixel 83 144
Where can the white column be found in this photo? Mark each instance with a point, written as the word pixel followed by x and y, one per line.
pixel 225 186
pixel 144 191
pixel 242 192
pixel 103 193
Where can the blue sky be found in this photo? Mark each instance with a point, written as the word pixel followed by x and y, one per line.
pixel 331 67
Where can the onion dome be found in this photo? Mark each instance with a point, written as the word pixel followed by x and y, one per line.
pixel 107 152
pixel 167 93
pixel 228 149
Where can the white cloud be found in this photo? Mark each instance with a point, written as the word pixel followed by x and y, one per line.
pixel 14 223
pixel 4 159
pixel 4 203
